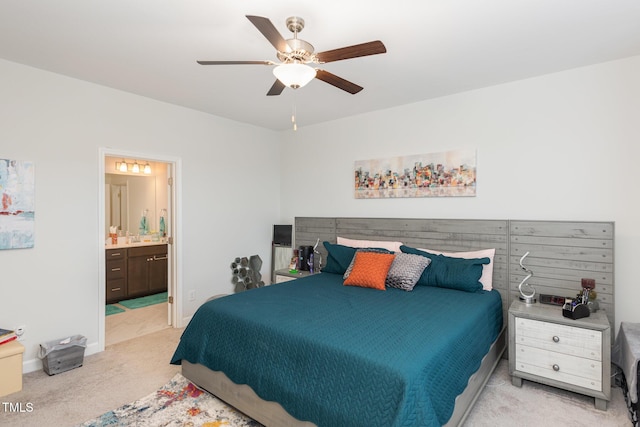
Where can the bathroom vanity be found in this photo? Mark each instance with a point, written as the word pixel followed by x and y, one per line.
pixel 135 270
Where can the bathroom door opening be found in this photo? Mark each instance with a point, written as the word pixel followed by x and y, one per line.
pixel 166 170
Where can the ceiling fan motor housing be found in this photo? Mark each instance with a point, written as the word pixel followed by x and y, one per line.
pixel 300 51
pixel 295 24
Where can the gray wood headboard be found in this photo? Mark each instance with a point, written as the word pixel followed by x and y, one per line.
pixel 560 252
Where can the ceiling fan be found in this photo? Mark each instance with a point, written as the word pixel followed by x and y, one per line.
pixel 297 57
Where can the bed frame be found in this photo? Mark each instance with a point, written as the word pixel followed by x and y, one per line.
pixel 561 253
pixel 243 398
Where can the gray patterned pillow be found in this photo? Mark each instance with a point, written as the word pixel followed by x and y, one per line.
pixel 406 270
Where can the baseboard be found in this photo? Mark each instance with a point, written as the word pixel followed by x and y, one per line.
pixel 31 365
pixel 185 321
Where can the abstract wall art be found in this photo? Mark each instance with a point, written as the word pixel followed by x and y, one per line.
pixel 446 174
pixel 17 204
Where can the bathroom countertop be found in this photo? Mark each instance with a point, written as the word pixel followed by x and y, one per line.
pixel 132 245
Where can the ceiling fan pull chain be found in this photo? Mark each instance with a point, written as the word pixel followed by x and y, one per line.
pixel 293 117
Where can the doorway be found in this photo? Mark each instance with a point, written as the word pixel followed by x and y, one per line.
pixel 124 211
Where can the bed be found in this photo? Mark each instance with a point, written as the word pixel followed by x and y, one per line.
pixel 345 355
pixel 316 352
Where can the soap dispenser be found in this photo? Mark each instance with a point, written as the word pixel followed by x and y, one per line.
pixel 163 223
pixel 144 225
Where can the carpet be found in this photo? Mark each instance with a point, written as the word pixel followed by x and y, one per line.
pixel 112 309
pixel 144 301
pixel 177 403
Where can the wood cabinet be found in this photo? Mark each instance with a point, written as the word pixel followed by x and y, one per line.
pixel 136 271
pixel 116 271
pixel 146 270
pixel 546 347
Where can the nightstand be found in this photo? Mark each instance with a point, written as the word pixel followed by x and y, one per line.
pixel 284 275
pixel 548 348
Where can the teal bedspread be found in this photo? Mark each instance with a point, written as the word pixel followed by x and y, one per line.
pixel 347 356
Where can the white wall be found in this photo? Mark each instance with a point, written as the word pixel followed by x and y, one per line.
pixel 562 146
pixel 230 196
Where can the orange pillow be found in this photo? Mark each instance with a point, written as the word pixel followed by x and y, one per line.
pixel 370 270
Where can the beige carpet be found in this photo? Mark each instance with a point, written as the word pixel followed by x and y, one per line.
pixel 121 374
pixel 535 405
pixel 129 370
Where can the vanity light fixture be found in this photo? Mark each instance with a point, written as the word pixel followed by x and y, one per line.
pixel 121 166
pixel 134 167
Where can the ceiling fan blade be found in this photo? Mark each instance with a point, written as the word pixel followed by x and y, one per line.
pixel 267 29
pixel 363 49
pixel 338 82
pixel 276 89
pixel 235 62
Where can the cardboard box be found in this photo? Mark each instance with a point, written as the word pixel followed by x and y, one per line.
pixel 10 367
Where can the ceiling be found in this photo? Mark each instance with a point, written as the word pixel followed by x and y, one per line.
pixel 434 48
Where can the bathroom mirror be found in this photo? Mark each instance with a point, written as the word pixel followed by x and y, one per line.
pixel 126 196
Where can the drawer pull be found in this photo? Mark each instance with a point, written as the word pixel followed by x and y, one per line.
pixel 115 289
pixel 556 338
pixel 556 367
pixel 160 258
pixel 115 269
pixel 116 254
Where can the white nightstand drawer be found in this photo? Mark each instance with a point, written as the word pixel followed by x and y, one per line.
pixel 560 367
pixel 559 338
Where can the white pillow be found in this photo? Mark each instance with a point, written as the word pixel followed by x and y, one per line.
pixel 390 246
pixel 487 269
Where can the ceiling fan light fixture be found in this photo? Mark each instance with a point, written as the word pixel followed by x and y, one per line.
pixel 295 74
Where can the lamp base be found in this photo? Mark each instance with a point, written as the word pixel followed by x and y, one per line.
pixel 528 300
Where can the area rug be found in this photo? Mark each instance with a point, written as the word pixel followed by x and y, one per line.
pixel 145 301
pixel 177 403
pixel 112 309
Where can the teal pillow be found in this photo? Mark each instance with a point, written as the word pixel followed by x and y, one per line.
pixel 447 272
pixel 338 258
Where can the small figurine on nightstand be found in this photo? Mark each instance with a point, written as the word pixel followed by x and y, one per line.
pixel 293 265
pixel 524 297
pixel 593 303
pixel 589 295
pixel 317 255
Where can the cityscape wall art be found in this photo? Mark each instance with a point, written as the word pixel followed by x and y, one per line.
pixel 446 174
pixel 17 204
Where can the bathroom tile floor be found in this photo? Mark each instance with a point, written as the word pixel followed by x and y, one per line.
pixel 134 323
